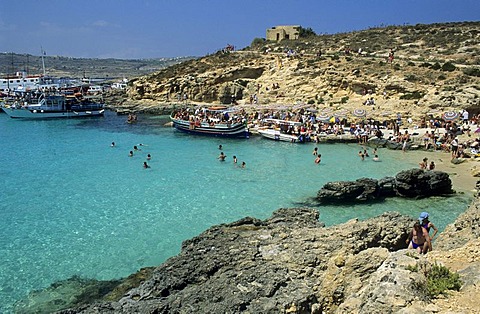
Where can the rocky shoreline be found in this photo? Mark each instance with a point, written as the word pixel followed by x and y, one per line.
pixel 292 263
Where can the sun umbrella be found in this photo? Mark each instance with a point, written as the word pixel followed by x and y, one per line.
pixel 450 115
pixel 477 130
pixel 323 116
pixel 340 114
pixel 359 113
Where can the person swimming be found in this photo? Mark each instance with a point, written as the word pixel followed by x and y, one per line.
pixel 234 159
pixel 222 156
pixel 318 159
pixel 113 144
pixel 315 151
pixel 376 158
pixel 145 165
pixel 130 154
pixel 244 164
pixel 149 157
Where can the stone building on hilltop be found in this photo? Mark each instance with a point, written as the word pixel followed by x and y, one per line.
pixel 278 33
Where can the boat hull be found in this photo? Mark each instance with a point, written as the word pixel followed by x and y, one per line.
pixel 236 130
pixel 276 135
pixel 22 113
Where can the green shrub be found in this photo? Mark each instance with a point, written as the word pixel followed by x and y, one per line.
pixel 414 95
pixel 306 32
pixel 257 42
pixel 410 78
pixel 441 77
pixel 344 100
pixel 448 67
pixel 411 268
pixel 310 101
pixel 472 72
pixel 436 66
pixel 440 279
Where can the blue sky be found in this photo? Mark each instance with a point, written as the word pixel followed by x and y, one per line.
pixel 134 29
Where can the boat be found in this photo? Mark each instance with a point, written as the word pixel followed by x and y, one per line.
pixel 47 106
pixel 283 130
pixel 21 82
pixel 213 121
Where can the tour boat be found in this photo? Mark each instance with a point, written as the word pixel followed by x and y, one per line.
pixel 214 121
pixel 53 106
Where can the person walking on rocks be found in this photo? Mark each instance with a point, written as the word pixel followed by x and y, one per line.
pixel 427 225
pixel 418 239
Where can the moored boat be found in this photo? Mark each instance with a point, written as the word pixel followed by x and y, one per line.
pixel 53 106
pixel 220 122
pixel 283 130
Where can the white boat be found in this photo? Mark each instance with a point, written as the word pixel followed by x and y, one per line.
pixel 21 82
pixel 277 135
pixel 53 106
pixel 283 130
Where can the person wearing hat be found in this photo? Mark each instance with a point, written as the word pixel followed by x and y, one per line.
pixel 427 224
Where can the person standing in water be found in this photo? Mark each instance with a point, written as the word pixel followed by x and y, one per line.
pixel 222 156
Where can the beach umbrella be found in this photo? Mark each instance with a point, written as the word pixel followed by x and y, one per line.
pixel 323 116
pixel 359 113
pixel 450 115
pixel 477 130
pixel 312 110
pixel 340 114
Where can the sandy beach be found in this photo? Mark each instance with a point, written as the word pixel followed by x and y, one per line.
pixel 460 174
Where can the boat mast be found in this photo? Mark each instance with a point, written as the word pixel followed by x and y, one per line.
pixel 43 61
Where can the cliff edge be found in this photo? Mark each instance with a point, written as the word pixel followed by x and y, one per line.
pixel 291 263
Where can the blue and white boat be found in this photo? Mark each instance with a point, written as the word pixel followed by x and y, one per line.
pixel 213 121
pixel 47 106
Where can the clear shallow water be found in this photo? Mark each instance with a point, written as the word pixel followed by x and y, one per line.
pixel 72 205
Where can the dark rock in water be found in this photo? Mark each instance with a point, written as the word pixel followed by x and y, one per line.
pixel 377 142
pixel 408 183
pixel 422 183
pixel 344 191
pixel 394 145
pixel 387 187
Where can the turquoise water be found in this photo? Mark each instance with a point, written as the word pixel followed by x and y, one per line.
pixel 73 205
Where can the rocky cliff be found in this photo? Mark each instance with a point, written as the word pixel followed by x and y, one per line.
pixel 435 68
pixel 291 263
